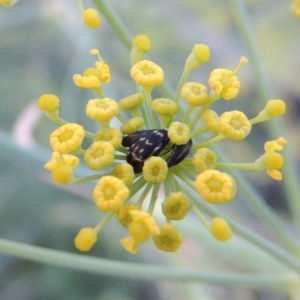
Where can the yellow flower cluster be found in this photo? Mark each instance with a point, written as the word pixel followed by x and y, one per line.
pixel 160 145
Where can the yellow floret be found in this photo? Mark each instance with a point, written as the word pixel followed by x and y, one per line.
pixel 99 155
pixel 234 125
pixel 85 239
pixel 195 93
pixel 155 170
pixel 133 125
pixel 124 172
pixel 132 101
pixel 215 186
pixel 123 214
pixel 62 167
pixel 169 239
pixel 179 133
pixel 91 18
pixel 176 206
pixel 130 244
pixel 147 74
pixel 211 120
pixel 199 55
pixel 204 159
pixel 102 109
pixel 67 138
pixel 220 229
pixel 111 135
pixel 48 102
pixel 164 106
pixel 110 193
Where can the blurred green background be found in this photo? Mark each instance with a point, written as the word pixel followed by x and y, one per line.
pixel 42 44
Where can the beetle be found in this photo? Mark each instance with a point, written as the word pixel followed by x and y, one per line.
pixel 146 143
pixel 179 153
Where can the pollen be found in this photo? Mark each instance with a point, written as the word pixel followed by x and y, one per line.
pixel 91 18
pixel 215 186
pixel 85 239
pixel 169 239
pixel 176 206
pixel 102 109
pixel 99 155
pixel 179 133
pixel 155 170
pixel 147 73
pixel 67 138
pixel 110 193
pixel 235 125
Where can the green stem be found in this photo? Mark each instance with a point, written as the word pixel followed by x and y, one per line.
pixel 115 22
pixel 282 281
pixel 200 217
pixel 143 196
pixel 148 98
pixel 182 81
pixel 153 197
pixel 188 111
pixel 275 126
pixel 103 221
pixel 212 98
pixel 210 141
pixel 247 166
pixel 86 178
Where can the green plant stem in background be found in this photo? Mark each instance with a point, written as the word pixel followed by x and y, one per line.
pixel 284 281
pixel 275 126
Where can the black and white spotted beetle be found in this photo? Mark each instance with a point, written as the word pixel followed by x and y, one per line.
pixel 146 143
